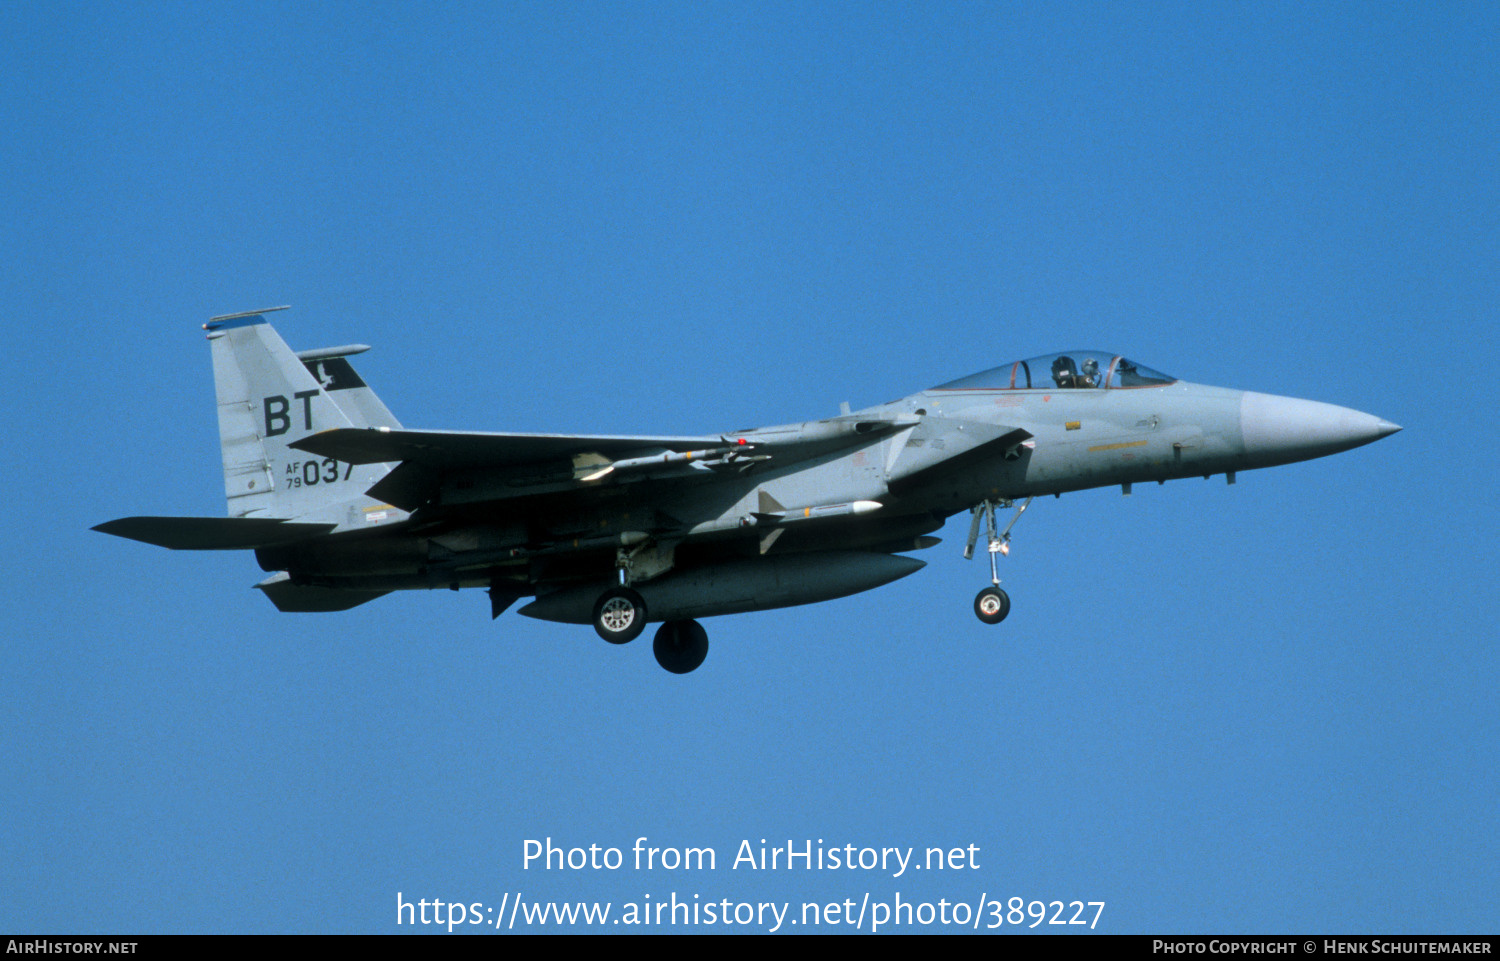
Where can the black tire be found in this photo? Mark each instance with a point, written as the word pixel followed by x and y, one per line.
pixel 991 605
pixel 680 646
pixel 619 615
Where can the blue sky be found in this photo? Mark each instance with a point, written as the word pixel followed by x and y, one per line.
pixel 1260 708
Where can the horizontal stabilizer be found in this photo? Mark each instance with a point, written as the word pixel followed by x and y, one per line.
pixel 211 533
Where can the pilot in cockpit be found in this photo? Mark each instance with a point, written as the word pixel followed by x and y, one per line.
pixel 1090 373
pixel 1064 373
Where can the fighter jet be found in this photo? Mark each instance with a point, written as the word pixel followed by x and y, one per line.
pixel 342 505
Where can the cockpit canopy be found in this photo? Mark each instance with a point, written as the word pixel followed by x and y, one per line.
pixel 1069 370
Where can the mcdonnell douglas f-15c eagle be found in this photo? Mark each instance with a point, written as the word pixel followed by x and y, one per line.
pixel 341 504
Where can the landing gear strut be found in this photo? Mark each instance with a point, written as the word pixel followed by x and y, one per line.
pixel 992 604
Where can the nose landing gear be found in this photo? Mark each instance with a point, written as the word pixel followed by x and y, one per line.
pixel 992 604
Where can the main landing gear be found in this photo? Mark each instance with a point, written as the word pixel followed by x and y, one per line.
pixel 992 604
pixel 680 646
pixel 620 617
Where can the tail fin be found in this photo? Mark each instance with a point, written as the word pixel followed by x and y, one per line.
pixel 268 398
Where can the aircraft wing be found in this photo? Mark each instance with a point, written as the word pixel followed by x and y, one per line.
pixel 520 465
pixel 506 465
pixel 447 450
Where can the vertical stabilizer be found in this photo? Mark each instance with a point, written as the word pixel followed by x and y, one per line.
pixel 267 399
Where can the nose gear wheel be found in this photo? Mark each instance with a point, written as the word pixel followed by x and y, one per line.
pixel 992 604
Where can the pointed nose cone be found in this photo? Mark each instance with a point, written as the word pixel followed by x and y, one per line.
pixel 1279 430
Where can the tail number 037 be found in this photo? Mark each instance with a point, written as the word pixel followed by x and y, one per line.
pixel 308 473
